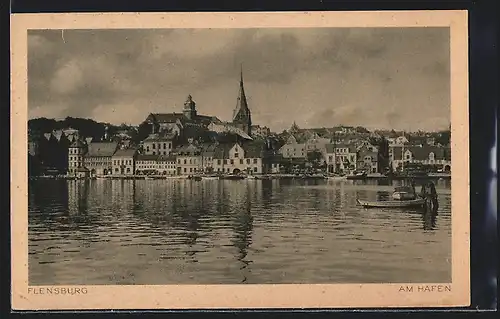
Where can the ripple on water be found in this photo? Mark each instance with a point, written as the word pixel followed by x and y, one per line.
pixel 115 232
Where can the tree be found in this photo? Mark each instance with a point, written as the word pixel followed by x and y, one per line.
pixel 314 157
pixel 443 137
pixel 360 129
pixel 143 131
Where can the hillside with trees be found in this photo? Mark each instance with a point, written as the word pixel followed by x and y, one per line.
pixel 86 127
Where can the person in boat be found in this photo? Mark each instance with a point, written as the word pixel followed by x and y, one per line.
pixel 429 193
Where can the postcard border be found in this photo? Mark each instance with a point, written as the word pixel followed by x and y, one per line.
pixel 243 296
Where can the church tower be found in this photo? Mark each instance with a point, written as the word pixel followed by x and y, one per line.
pixel 189 108
pixel 242 117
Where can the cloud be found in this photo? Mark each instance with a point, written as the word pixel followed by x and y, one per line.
pixel 67 78
pixel 317 77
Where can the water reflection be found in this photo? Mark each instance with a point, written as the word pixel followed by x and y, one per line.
pixel 269 231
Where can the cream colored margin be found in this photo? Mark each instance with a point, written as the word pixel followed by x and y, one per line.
pixel 244 296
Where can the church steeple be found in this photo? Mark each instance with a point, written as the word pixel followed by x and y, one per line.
pixel 242 115
pixel 189 108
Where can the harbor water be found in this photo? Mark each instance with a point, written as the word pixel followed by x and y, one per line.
pixel 148 232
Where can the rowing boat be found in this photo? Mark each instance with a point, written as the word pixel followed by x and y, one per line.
pixel 418 202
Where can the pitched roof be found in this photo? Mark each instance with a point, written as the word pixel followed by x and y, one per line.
pixel 331 147
pixel 254 150
pixel 222 151
pixel 417 140
pixel 102 148
pixel 189 150
pixel 206 119
pixel 208 149
pixel 241 108
pixel 160 137
pixel 146 157
pixel 77 143
pixel 229 128
pixel 127 152
pixel 422 153
pixel 48 136
pixel 166 117
pixel 166 158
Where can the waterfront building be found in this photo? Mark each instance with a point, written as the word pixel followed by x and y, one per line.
pixel 189 159
pixel 166 165
pixel 367 161
pixel 435 157
pixel 250 158
pixel 98 158
pixel 159 143
pixel 145 164
pixel 340 157
pixel 76 152
pixel 207 157
pixel 316 143
pixel 124 161
pixel 293 149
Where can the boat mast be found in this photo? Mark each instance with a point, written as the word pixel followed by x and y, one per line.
pixel 403 155
pixel 334 153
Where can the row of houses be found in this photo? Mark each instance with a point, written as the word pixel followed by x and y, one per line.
pixel 352 151
pixel 108 158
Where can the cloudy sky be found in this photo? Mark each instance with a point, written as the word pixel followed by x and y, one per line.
pixel 374 77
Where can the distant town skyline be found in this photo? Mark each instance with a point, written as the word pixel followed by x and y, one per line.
pixel 378 78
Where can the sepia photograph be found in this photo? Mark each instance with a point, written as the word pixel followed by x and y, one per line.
pixel 190 156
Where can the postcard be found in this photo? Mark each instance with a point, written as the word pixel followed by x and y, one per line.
pixel 240 160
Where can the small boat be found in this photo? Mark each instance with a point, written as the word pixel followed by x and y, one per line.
pixel 263 177
pixel 361 175
pixel 210 177
pixel 417 202
pixel 233 177
pixel 337 178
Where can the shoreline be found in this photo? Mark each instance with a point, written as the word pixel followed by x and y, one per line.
pixel 250 177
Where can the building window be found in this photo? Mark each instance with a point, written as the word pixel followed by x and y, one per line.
pixel 178 161
pixel 164 145
pixel 248 161
pixel 225 161
pixel 128 169
pixel 218 162
pixel 169 145
pixel 185 170
pixel 255 169
pixel 185 161
pixel 235 155
pixel 255 161
pixel 190 169
pixel 154 145
pixel 241 161
pixel 232 162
